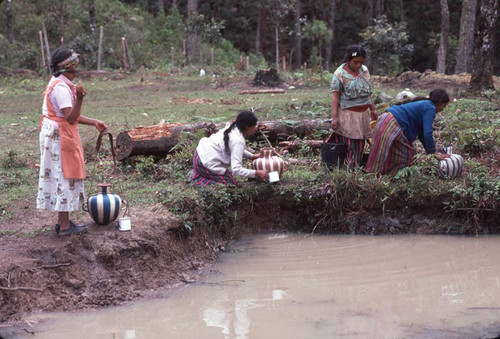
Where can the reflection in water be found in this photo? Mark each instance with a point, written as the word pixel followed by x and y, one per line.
pixel 221 316
pixel 296 286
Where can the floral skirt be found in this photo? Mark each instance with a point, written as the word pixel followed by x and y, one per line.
pixel 55 193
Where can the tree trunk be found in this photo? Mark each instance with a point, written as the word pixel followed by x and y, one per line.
pixel 443 43
pixel 160 139
pixel 153 7
pixel 331 26
pixel 166 7
pixel 61 21
pixel 482 62
pixel 92 16
pixel 466 40
pixel 192 39
pixel 157 139
pixel 402 16
pixel 10 26
pixel 277 42
pixel 297 39
pixel 259 31
pixel 379 8
pixel 370 12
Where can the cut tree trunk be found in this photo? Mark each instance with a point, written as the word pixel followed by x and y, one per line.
pixel 160 139
pixel 155 140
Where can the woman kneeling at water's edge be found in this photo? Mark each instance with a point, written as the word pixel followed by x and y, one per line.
pixel 351 100
pixel 62 166
pixel 225 148
pixel 398 128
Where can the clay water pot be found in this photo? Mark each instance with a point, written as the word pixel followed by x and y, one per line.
pixel 103 207
pixel 269 162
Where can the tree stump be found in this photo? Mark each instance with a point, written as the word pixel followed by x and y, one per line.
pixel 267 77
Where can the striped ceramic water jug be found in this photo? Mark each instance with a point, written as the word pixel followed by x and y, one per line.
pixel 269 162
pixel 103 207
pixel 450 167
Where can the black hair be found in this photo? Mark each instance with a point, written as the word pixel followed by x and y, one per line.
pixel 244 120
pixel 58 56
pixel 353 52
pixel 438 97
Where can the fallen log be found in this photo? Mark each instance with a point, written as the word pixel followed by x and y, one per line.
pixel 160 139
pixel 283 130
pixel 294 144
pixel 262 91
pixel 156 140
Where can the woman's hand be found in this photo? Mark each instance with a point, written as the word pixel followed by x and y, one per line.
pixel 80 92
pixel 374 114
pixel 263 175
pixel 442 156
pixel 335 123
pixel 257 156
pixel 100 125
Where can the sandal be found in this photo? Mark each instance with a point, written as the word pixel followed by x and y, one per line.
pixel 73 229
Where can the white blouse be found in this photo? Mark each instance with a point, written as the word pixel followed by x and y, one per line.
pixel 60 97
pixel 213 155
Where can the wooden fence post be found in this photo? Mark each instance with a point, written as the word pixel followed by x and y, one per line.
pixel 247 62
pixel 43 52
pixel 126 56
pixel 212 56
pixel 284 63
pixel 184 53
pixel 99 51
pixel 172 56
pixel 47 49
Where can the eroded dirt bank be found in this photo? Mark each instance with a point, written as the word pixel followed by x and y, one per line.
pixel 108 267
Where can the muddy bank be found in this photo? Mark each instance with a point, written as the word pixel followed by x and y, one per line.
pixel 107 267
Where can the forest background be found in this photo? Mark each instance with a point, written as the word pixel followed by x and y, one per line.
pixel 399 35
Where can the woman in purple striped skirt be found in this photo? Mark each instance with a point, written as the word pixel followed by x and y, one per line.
pixel 224 149
pixel 396 130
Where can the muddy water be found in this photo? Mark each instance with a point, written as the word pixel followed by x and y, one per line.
pixel 296 286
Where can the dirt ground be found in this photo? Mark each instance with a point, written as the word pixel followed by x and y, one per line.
pixel 108 267
pixel 103 267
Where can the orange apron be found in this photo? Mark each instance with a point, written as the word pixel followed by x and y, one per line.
pixel 73 163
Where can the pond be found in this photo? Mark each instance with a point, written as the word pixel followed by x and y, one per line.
pixel 303 286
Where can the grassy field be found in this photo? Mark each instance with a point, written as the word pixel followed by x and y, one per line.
pixel 146 98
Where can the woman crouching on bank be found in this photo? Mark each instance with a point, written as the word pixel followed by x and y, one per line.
pixel 399 127
pixel 225 148
pixel 62 166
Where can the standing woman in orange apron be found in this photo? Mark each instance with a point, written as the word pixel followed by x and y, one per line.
pixel 62 166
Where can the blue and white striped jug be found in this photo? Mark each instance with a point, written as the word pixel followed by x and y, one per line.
pixel 103 207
